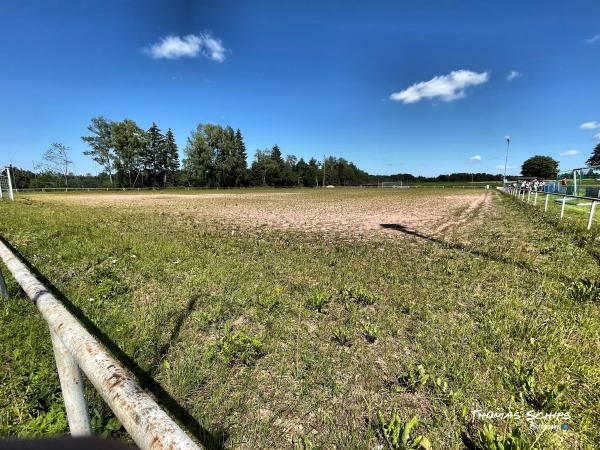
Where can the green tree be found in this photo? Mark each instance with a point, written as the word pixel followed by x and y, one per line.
pixel 595 158
pixel 241 160
pixel 225 157
pixel 312 175
pixel 540 167
pixel 199 162
pixel 152 155
pixel 128 141
pixel 101 144
pixel 277 166
pixel 169 157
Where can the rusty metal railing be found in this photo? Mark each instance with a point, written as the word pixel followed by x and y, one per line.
pixel 76 351
pixel 531 196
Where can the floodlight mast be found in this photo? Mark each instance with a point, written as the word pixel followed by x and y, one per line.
pixel 506 158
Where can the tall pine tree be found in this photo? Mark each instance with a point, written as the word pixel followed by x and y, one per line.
pixel 241 160
pixel 153 155
pixel 170 158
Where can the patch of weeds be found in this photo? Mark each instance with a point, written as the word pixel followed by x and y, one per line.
pixel 318 301
pixel 107 283
pixel 107 289
pixel 413 379
pixel 341 335
pixel 398 435
pixel 238 346
pixel 371 332
pixel 420 378
pixel 203 319
pixel 53 421
pixel 585 290
pixel 358 295
pixel 303 443
pixel 489 439
pixel 524 383
pixel 269 303
pixel 103 426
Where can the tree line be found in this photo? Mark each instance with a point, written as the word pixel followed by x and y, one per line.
pixel 216 156
pixel 131 156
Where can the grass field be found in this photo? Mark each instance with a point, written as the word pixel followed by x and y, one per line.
pixel 310 318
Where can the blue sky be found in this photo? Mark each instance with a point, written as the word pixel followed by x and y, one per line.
pixel 351 79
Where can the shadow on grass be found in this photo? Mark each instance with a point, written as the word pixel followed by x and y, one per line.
pixel 165 400
pixel 182 317
pixel 473 251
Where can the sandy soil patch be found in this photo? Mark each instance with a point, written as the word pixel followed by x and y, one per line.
pixel 350 212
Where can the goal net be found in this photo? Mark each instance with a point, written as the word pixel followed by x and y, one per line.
pixel 6 186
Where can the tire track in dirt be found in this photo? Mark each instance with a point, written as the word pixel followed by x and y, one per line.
pixel 470 213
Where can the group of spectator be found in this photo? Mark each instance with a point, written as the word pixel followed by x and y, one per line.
pixel 531 185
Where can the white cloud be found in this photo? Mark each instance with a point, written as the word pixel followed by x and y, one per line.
pixel 447 87
pixel 512 75
pixel 569 153
pixel 501 166
pixel 475 158
pixel 190 46
pixel 593 39
pixel 597 136
pixel 590 125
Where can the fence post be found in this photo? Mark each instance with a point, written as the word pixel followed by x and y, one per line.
pixel 71 384
pixel 562 207
pixel 546 203
pixel 3 290
pixel 535 199
pixel 590 220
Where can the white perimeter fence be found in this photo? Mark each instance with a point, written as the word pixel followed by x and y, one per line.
pixel 530 196
pixel 76 351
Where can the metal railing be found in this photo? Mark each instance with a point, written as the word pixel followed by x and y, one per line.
pixel 76 351
pixel 531 196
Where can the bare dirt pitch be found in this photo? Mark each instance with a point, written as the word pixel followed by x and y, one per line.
pixel 342 212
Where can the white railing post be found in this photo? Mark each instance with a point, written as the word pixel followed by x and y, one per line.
pixel 148 425
pixel 591 218
pixel 546 203
pixel 535 199
pixel 71 385
pixel 562 207
pixel 528 196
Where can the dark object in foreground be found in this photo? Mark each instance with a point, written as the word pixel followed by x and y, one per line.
pixel 63 444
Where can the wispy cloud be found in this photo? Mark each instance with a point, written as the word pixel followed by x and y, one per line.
pixel 445 87
pixel 597 136
pixel 590 125
pixel 475 158
pixel 593 39
pixel 190 46
pixel 569 153
pixel 512 75
pixel 501 166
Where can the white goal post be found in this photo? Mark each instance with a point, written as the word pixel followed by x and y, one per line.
pixel 6 186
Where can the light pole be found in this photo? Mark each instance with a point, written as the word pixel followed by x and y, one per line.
pixel 506 159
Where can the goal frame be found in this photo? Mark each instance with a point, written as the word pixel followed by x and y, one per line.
pixel 6 184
